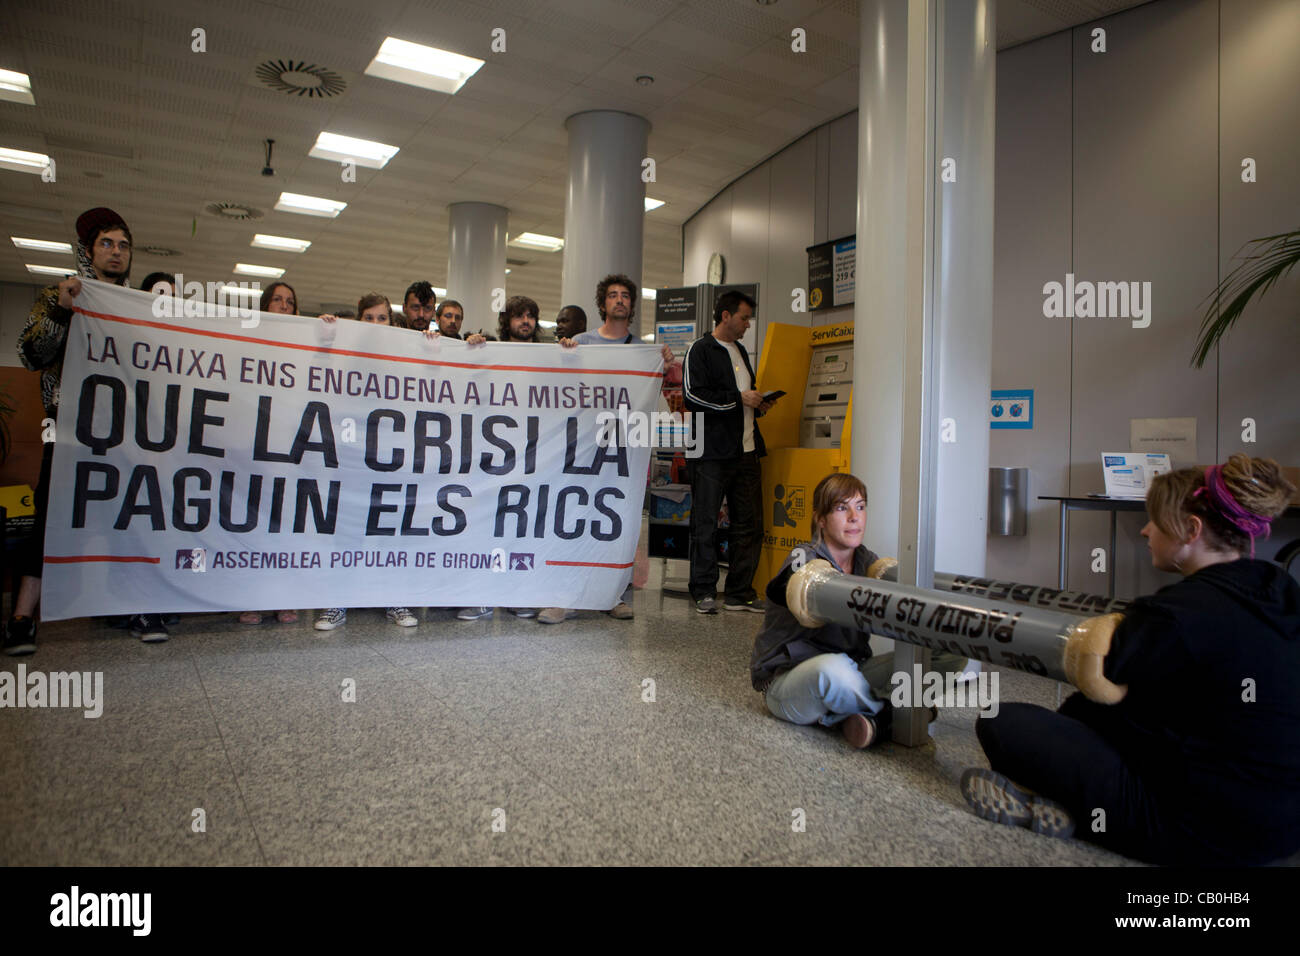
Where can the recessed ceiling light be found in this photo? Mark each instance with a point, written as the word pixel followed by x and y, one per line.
pixel 440 293
pixel 280 243
pixel 652 203
pixel 16 87
pixel 546 323
pixel 310 205
pixel 645 79
pixel 647 293
pixel 532 240
pixel 507 272
pixel 21 161
pixel 345 149
pixel 423 66
pixel 43 245
pixel 264 272
pixel 648 337
pixel 230 288
pixel 51 270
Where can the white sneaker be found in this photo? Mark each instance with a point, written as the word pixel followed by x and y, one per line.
pixel 331 618
pixel 474 613
pixel 402 617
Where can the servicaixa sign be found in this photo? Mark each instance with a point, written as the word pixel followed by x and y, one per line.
pixel 203 466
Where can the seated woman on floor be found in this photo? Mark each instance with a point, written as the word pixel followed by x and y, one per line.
pixel 826 675
pixel 1200 761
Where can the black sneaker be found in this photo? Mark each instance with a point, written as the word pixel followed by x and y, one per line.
pixel 20 639
pixel 149 628
pixel 706 605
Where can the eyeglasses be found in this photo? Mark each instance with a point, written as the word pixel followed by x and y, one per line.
pixel 110 245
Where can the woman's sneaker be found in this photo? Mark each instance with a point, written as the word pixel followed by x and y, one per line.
pixel 20 639
pixel 402 617
pixel 149 628
pixel 994 797
pixel 474 613
pixel 331 618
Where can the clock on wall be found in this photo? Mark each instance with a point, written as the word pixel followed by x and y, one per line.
pixel 717 268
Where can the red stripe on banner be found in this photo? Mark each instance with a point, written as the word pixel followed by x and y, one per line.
pixel 122 558
pixel 189 330
pixel 587 564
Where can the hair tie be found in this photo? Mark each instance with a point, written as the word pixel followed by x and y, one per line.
pixel 1247 522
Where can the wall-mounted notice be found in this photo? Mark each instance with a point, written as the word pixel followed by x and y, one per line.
pixel 832 273
pixel 1175 437
pixel 675 311
pixel 1011 408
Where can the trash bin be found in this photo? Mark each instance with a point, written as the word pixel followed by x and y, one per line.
pixel 1008 501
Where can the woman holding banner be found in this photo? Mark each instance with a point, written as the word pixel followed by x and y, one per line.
pixel 278 298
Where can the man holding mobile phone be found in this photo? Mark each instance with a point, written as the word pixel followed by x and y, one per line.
pixel 718 383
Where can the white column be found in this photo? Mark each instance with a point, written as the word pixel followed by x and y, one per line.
pixel 604 212
pixel 476 261
pixel 924 299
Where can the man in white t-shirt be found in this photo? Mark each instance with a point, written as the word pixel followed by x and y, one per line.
pixel 718 383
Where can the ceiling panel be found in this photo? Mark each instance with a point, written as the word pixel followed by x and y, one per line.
pixel 137 120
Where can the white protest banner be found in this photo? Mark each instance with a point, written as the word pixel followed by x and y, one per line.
pixel 202 466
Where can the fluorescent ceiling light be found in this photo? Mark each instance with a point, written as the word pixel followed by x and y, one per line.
pixel 16 87
pixel 546 323
pixel 531 240
pixel 440 293
pixel 648 337
pixel 310 205
pixel 648 293
pixel 21 161
pixel 423 66
pixel 347 149
pixel 51 270
pixel 507 272
pixel 652 203
pixel 265 272
pixel 231 289
pixel 42 245
pixel 280 243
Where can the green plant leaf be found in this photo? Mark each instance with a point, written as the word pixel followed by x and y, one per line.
pixel 1272 258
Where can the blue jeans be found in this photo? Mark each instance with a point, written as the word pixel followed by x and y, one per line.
pixel 822 690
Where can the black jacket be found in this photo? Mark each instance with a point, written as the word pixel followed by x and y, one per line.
pixel 709 386
pixel 1211 721
pixel 784 642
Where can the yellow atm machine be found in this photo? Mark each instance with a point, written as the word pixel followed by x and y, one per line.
pixel 806 432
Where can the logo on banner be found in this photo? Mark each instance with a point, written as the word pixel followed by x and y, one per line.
pixel 191 559
pixel 521 561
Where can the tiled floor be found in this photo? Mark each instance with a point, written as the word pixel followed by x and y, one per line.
pixel 493 741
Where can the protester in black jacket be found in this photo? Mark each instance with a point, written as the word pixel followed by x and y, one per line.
pixel 718 385
pixel 1200 761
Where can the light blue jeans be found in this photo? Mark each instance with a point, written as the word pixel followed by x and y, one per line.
pixel 822 690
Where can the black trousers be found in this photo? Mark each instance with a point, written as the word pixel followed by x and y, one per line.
pixel 33 559
pixel 739 480
pixel 1067 755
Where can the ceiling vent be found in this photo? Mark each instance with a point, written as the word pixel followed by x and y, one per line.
pixel 299 78
pixel 159 251
pixel 233 211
